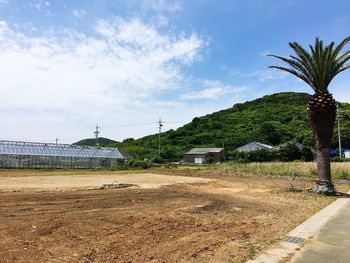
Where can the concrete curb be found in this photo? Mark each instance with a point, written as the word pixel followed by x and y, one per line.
pixel 294 239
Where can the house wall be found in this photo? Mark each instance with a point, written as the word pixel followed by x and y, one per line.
pixel 347 154
pixel 190 158
pixel 216 157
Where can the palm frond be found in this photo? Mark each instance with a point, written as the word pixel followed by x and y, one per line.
pixel 341 46
pixel 344 68
pixel 307 59
pixel 318 67
pixel 295 63
pixel 295 73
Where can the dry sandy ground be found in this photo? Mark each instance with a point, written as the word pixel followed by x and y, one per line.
pixel 92 181
pixel 225 219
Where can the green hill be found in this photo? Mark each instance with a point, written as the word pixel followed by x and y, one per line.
pixel 103 142
pixel 272 119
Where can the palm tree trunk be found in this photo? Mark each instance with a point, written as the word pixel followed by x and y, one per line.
pixel 324 184
pixel 322 120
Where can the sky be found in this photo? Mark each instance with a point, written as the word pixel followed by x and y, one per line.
pixel 66 66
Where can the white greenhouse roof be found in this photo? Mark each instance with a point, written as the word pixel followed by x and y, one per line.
pixel 60 150
pixel 254 146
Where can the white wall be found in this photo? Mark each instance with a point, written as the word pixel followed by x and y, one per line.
pixel 347 154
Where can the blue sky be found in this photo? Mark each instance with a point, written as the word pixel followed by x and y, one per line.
pixel 67 65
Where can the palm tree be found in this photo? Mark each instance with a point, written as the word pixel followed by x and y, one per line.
pixel 317 68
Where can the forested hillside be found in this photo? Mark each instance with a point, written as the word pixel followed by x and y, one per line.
pixel 272 119
pixel 103 142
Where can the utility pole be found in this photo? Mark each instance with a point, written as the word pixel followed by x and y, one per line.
pixel 339 132
pixel 160 125
pixel 96 133
pixel 56 141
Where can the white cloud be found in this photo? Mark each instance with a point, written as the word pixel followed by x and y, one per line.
pixel 35 6
pixel 267 74
pixel 159 12
pixel 79 12
pixel 162 6
pixel 235 72
pixel 61 82
pixel 213 90
pixel 3 2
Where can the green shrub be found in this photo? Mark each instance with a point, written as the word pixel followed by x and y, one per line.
pixel 261 155
pixel 342 174
pixel 157 159
pixel 286 153
pixel 144 164
pixel 340 160
pixel 307 155
pixel 289 152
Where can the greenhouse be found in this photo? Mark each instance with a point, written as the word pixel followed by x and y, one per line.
pixel 14 154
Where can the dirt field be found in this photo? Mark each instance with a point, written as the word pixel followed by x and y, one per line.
pixel 165 219
pixel 89 181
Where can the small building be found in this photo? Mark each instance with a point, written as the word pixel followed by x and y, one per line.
pixel 203 155
pixel 347 153
pixel 253 146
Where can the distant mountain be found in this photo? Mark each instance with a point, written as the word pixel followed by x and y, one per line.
pixel 272 119
pixel 103 142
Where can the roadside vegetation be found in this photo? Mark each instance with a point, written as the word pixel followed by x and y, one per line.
pixel 297 169
pixel 340 170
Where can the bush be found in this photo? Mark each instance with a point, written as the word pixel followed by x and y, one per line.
pixel 140 164
pixel 344 175
pixel 157 159
pixel 289 152
pixel 286 153
pixel 307 155
pixel 261 155
pixel 340 160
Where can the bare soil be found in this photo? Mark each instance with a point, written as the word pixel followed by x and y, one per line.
pixel 88 181
pixel 174 219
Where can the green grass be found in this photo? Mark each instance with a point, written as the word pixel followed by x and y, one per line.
pixel 297 169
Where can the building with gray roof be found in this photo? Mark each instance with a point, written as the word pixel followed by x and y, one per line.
pixel 203 155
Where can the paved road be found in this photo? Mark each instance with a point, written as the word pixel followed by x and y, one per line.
pixel 332 244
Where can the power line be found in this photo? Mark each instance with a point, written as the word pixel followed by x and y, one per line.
pixel 137 124
pixel 97 130
pixel 174 122
pixel 127 125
